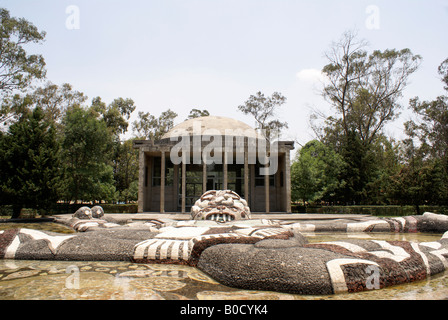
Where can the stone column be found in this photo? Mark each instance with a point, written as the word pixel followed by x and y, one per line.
pixel 141 180
pixel 204 175
pixel 288 181
pixel 266 178
pixel 246 174
pixel 162 182
pixel 266 193
pixel 224 171
pixel 184 183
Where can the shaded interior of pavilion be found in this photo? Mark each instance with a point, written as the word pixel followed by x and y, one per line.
pixel 170 186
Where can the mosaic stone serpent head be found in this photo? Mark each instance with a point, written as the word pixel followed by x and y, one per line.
pixel 86 213
pixel 220 206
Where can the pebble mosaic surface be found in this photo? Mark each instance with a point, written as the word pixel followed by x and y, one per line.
pixel 26 279
pixel 264 255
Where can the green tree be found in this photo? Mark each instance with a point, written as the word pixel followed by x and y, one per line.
pixel 56 100
pixel 149 127
pixel 17 68
pixel 427 163
pixel 364 90
pixel 31 164
pixel 420 181
pixel 263 109
pixel 358 171
pixel 443 72
pixel 116 115
pixel 315 173
pixel 87 147
pixel 385 164
pixel 126 172
pixel 431 129
pixel 197 113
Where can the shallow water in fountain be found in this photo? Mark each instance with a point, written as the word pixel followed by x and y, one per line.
pixel 45 226
pixel 337 236
pixel 131 281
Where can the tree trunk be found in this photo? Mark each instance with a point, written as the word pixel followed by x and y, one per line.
pixel 417 209
pixel 16 209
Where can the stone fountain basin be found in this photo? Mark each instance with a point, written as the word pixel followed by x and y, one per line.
pixel 256 254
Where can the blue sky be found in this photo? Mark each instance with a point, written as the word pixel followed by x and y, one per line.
pixel 213 54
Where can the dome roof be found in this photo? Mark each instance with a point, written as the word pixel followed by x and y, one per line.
pixel 212 125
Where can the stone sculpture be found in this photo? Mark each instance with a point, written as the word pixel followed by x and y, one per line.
pixel 83 213
pixel 221 206
pixel 86 213
pixel 269 255
pixel 97 212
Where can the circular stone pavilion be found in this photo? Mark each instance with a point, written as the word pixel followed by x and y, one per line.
pixel 213 153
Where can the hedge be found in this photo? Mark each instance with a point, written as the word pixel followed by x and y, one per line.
pixel 62 208
pixel 389 211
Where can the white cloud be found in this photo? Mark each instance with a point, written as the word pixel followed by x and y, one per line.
pixel 310 75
